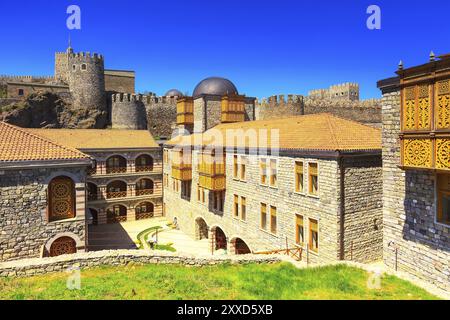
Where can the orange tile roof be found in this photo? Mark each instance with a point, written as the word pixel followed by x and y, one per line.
pixel 17 144
pixel 323 132
pixel 85 139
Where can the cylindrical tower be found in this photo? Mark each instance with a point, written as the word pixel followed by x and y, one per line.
pixel 86 77
pixel 128 112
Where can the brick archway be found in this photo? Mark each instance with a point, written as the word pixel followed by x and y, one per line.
pixel 201 229
pixel 239 246
pixel 63 245
pixel 219 240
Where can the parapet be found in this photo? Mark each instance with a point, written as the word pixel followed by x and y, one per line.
pixel 86 56
pixel 280 100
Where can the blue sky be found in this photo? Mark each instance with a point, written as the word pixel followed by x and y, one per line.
pixel 264 47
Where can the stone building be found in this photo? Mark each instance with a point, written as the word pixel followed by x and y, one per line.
pixel 416 171
pixel 343 91
pixel 125 183
pixel 311 182
pixel 42 196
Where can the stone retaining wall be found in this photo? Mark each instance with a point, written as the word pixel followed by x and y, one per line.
pixel 31 267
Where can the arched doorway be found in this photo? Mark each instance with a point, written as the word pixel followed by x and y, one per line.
pixel 201 229
pixel 240 247
pixel 145 210
pixel 220 239
pixel 92 191
pixel 63 245
pixel 144 187
pixel 144 163
pixel 116 164
pixel 116 214
pixel 94 214
pixel 61 199
pixel 116 189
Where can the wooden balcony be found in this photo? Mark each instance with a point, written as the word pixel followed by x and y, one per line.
pixel 115 170
pixel 185 111
pixel 213 183
pixel 145 192
pixel 116 195
pixel 233 109
pixel 144 168
pixel 425 152
pixel 182 173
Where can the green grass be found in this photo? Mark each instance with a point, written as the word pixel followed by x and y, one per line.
pixel 253 282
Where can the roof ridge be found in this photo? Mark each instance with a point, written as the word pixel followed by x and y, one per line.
pixel 332 133
pixel 26 132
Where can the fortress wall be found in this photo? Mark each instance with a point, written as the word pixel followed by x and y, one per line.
pixel 280 107
pixel 367 112
pixel 161 115
pixel 119 81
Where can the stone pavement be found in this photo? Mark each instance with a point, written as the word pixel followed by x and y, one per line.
pixel 183 243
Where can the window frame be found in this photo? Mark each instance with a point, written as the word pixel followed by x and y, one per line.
pixel 310 236
pixel 310 185
pixel 297 233
pixel 296 179
pixel 263 213
pixel 243 213
pixel 271 173
pixel 263 174
pixel 273 230
pixel 440 193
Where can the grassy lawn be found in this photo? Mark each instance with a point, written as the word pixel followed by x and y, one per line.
pixel 272 282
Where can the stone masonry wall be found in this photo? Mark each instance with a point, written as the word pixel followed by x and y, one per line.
pixel 31 267
pixel 423 246
pixel 24 227
pixel 363 220
pixel 324 208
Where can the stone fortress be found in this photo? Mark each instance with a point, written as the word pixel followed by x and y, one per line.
pixel 95 97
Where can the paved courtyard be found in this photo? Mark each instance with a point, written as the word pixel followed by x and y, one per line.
pixel 120 235
pixel 183 243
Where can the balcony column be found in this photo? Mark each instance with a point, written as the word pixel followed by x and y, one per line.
pixel 101 167
pixel 102 219
pixel 131 190
pixel 102 192
pixel 131 214
pixel 131 166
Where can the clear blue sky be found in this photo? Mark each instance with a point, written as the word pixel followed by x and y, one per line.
pixel 264 47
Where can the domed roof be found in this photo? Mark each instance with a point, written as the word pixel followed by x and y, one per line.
pixel 215 86
pixel 174 93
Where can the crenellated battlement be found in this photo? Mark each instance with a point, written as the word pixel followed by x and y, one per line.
pixel 86 56
pixel 280 100
pixel 341 91
pixel 279 106
pixel 28 79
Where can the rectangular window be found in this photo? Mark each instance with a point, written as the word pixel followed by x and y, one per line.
pixel 273 220
pixel 244 168
pixel 263 216
pixel 186 189
pixel 235 167
pixel 201 194
pixel 313 179
pixel 299 230
pixel 299 176
pixel 199 198
pixel 313 235
pixel 443 193
pixel 273 173
pixel 218 198
pixel 166 156
pixel 243 208
pixel 236 206
pixel 263 170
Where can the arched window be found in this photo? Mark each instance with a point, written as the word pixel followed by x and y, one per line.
pixel 83 67
pixel 144 187
pixel 117 214
pixel 144 163
pixel 61 199
pixel 145 210
pixel 92 191
pixel 116 189
pixel 63 245
pixel 116 164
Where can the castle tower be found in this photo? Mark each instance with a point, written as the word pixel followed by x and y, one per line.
pixel 128 112
pixel 62 65
pixel 86 79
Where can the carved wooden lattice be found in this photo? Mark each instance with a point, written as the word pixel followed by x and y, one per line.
pixel 417 108
pixel 443 105
pixel 62 200
pixel 417 153
pixel 443 153
pixel 64 245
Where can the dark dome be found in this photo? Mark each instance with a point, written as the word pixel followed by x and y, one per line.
pixel 215 86
pixel 174 93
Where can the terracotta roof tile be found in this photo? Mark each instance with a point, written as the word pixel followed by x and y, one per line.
pixel 17 144
pixel 84 139
pixel 323 132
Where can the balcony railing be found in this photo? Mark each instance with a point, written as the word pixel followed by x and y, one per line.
pixel 116 219
pixel 144 192
pixel 144 215
pixel 116 170
pixel 115 195
pixel 144 168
